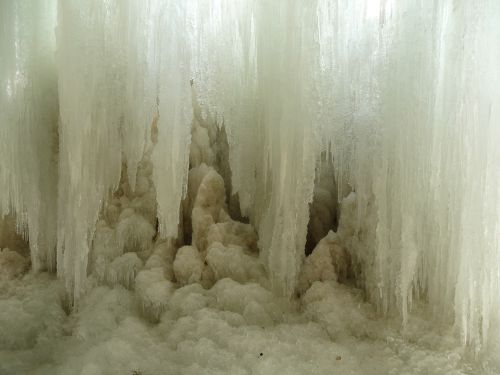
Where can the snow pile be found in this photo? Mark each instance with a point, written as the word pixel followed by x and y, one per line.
pixel 124 269
pixel 163 256
pixel 188 265
pixel 209 207
pixel 134 232
pixel 328 261
pixel 31 316
pixel 12 264
pixel 232 261
pixel 153 291
pixel 232 328
pixel 233 233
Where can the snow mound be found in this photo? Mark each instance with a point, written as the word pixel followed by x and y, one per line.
pixel 12 264
pixel 328 261
pixel 134 232
pixel 188 265
pixel 209 208
pixel 163 256
pixel 31 312
pixel 123 270
pixel 153 291
pixel 233 233
pixel 232 262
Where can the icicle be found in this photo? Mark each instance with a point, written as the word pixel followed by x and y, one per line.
pixel 90 91
pixel 28 120
pixel 171 153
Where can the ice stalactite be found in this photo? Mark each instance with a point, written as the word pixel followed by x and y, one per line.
pixel 287 116
pixel 90 90
pixel 175 112
pixel 28 124
pixel 141 82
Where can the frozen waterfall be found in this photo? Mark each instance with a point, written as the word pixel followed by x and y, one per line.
pixel 402 96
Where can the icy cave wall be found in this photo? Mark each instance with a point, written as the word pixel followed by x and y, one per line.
pixel 406 94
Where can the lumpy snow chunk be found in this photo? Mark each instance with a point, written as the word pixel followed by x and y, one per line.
pixel 232 261
pixel 233 233
pixel 123 270
pixel 134 233
pixel 12 264
pixel 188 265
pixel 251 300
pixel 200 152
pixel 163 256
pixel 31 313
pixel 328 261
pixel 153 291
pixel 209 207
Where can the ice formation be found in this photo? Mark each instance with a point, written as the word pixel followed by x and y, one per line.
pixel 384 115
pixel 328 261
pixel 28 124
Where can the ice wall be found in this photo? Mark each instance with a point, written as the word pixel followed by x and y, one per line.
pixel 404 92
pixel 418 98
pixel 28 123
